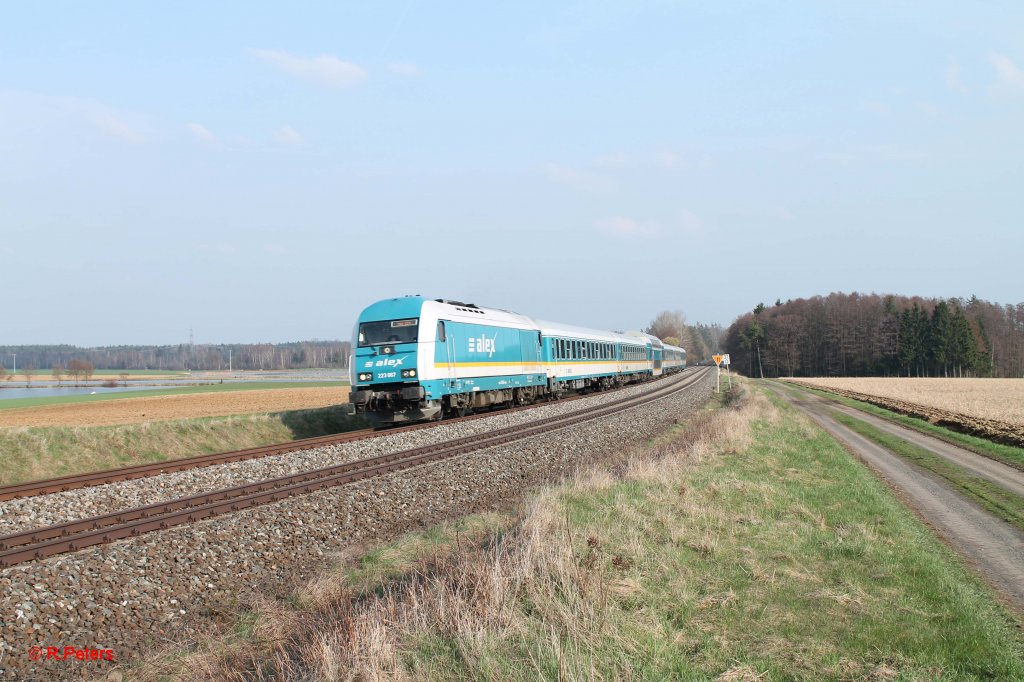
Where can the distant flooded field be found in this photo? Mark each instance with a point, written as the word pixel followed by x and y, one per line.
pixel 43 386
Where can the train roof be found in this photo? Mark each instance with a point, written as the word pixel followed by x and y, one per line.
pixel 417 306
pixel 559 329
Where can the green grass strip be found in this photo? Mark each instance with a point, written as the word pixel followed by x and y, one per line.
pixel 1007 454
pixel 1001 502
pixel 181 390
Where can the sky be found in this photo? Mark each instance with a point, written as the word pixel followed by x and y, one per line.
pixel 260 172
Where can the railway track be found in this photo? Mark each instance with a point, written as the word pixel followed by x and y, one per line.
pixel 94 478
pixel 57 539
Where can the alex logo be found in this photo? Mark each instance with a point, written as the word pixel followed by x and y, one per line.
pixel 483 345
pixel 389 362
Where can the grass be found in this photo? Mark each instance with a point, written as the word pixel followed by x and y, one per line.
pixel 1001 502
pixel 1007 454
pixel 32 453
pixel 15 403
pixel 749 545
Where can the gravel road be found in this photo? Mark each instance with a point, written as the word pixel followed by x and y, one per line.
pixel 140 593
pixel 993 547
pixel 1001 474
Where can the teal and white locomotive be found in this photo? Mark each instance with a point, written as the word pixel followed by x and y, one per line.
pixel 420 359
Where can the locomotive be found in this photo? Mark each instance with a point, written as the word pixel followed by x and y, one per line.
pixel 416 359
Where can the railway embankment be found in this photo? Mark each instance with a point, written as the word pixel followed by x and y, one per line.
pixel 36 452
pixel 744 544
pixel 173 585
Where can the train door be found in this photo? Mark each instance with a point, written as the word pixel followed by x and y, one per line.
pixel 529 347
pixel 446 351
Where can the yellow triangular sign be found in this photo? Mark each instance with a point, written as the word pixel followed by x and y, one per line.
pixel 717 359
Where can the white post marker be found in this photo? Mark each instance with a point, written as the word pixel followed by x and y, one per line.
pixel 718 374
pixel 728 375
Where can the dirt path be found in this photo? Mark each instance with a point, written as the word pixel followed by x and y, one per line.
pixel 994 548
pixel 1001 474
pixel 164 407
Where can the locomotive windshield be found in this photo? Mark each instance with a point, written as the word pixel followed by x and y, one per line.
pixel 388 331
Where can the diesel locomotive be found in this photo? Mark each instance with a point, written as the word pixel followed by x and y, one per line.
pixel 416 359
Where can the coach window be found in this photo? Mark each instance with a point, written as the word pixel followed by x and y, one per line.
pixel 440 331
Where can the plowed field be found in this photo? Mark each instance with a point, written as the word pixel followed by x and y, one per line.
pixel 165 407
pixel 992 408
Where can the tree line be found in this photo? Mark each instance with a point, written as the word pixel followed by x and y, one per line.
pixel 875 335
pixel 257 356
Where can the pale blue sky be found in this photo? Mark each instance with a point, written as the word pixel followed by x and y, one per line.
pixel 261 172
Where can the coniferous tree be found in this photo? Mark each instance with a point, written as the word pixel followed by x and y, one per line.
pixel 940 333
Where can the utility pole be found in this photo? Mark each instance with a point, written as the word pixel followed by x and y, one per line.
pixel 229 359
pixel 15 356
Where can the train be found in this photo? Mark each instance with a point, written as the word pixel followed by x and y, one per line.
pixel 418 359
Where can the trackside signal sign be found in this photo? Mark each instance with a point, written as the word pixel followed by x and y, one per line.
pixel 725 359
pixel 718 359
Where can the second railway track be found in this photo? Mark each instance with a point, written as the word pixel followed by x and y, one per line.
pixel 72 536
pixel 137 471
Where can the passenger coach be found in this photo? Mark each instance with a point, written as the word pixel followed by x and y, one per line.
pixel 419 359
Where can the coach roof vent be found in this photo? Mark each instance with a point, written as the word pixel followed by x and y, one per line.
pixel 464 307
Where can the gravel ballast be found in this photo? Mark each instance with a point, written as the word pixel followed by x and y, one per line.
pixel 137 593
pixel 44 510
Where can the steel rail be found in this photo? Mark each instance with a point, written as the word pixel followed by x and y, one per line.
pixel 68 537
pixel 94 478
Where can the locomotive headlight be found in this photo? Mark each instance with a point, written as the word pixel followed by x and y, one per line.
pixel 408 373
pixel 366 376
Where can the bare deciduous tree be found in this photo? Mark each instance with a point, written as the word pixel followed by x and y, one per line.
pixel 668 323
pixel 58 374
pixel 76 370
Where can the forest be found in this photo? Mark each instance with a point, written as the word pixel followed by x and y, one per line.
pixel 254 356
pixel 879 335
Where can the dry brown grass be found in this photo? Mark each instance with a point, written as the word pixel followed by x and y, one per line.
pixel 702 552
pixel 349 631
pixel 996 399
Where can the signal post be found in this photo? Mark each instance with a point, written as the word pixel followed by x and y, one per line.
pixel 719 361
